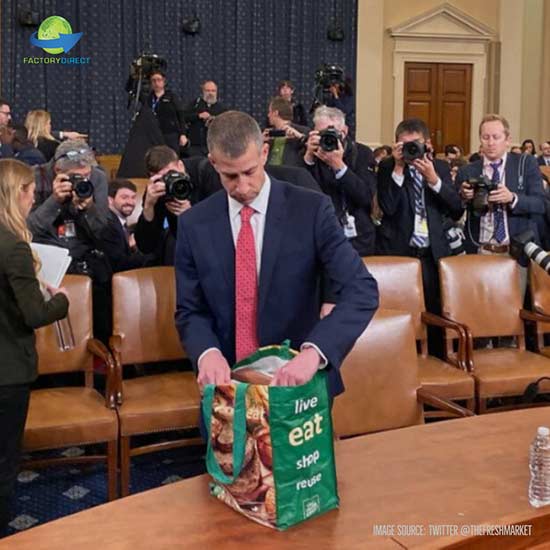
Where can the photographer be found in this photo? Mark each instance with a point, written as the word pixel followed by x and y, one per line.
pixel 344 171
pixel 416 194
pixel 503 192
pixel 70 211
pixel 285 139
pixel 160 204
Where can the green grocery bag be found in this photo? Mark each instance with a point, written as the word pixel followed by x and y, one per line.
pixel 270 449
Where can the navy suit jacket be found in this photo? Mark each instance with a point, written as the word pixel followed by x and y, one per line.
pixel 302 240
pixel 397 204
pixel 530 207
pixel 541 161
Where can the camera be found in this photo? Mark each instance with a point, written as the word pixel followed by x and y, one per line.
pixel 327 75
pixel 482 186
pixel 413 150
pixel 83 188
pixel 329 138
pixel 274 132
pixel 178 185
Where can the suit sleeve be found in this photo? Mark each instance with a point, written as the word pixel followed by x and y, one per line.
pixel 357 301
pixel 36 311
pixel 448 196
pixel 148 234
pixel 389 193
pixel 359 184
pixel 532 200
pixel 194 321
pixel 116 251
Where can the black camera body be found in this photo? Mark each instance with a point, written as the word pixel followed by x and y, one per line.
pixel 329 139
pixel 329 74
pixel 275 132
pixel 178 185
pixel 482 186
pixel 414 150
pixel 83 188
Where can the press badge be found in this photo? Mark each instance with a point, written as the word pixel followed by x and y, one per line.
pixel 420 225
pixel 349 227
pixel 67 230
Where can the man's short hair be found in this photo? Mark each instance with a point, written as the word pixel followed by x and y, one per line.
pixel 160 72
pixel 285 83
pixel 206 80
pixel 74 153
pixel 412 126
pixel 4 102
pixel 492 117
pixel 452 150
pixel 232 132
pixel 116 185
pixel 158 157
pixel 330 113
pixel 282 106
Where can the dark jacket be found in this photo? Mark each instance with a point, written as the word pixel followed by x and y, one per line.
pixel 397 204
pixel 22 309
pixel 197 127
pixel 530 207
pixel 353 192
pixel 30 155
pixel 541 161
pixel 170 115
pixel 47 147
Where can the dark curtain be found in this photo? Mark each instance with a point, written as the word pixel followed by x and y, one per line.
pixel 246 46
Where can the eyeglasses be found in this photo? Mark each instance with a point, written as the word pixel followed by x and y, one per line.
pixel 75 154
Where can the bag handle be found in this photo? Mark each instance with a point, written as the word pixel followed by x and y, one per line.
pixel 239 433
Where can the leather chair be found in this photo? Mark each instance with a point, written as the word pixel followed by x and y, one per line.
pixel 381 378
pixel 68 416
pixel 144 332
pixel 483 294
pixel 400 286
pixel 539 284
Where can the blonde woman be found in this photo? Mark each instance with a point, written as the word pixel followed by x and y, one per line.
pixel 39 126
pixel 22 309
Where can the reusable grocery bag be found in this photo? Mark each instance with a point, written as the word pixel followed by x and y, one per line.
pixel 270 449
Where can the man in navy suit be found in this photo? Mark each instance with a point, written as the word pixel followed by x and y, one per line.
pixel 248 265
pixel 544 158
pixel 515 205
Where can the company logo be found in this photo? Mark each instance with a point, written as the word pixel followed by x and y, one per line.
pixel 55 36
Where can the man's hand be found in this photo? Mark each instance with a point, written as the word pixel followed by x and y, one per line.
pixel 335 91
pixel 156 189
pixel 326 309
pixel 214 369
pixel 292 133
pixel 204 115
pixel 299 370
pixel 177 207
pixel 312 146
pixel 397 153
pixel 502 195
pixel 82 204
pixel 183 140
pixel 62 188
pixel 466 191
pixel 69 134
pixel 427 169
pixel 334 159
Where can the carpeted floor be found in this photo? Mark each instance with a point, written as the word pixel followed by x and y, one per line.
pixel 46 494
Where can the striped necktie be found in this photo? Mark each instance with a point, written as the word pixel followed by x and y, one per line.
pixel 418 241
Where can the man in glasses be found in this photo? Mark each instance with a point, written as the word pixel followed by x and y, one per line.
pixel 70 211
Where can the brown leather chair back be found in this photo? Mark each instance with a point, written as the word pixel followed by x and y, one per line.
pixel 539 283
pixel 400 285
pixel 380 387
pixel 482 292
pixel 144 303
pixel 51 359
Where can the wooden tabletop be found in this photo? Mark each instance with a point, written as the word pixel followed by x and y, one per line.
pixel 455 473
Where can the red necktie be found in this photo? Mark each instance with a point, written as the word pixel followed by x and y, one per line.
pixel 246 288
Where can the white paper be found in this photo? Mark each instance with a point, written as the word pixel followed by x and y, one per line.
pixel 55 262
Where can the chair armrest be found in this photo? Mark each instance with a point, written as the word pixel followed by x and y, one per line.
pixel 115 343
pixel 426 397
pixel 534 317
pixel 98 348
pixel 461 361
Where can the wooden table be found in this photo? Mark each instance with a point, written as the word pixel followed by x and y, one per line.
pixel 460 472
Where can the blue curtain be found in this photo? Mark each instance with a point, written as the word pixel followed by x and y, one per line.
pixel 246 46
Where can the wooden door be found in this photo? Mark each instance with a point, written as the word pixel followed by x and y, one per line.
pixel 441 95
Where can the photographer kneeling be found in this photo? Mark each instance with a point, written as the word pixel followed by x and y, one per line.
pixel 503 192
pixel 70 210
pixel 169 194
pixel 345 172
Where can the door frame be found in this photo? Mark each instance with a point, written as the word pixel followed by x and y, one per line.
pixel 423 52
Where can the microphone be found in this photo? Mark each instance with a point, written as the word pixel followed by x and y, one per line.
pixel 532 390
